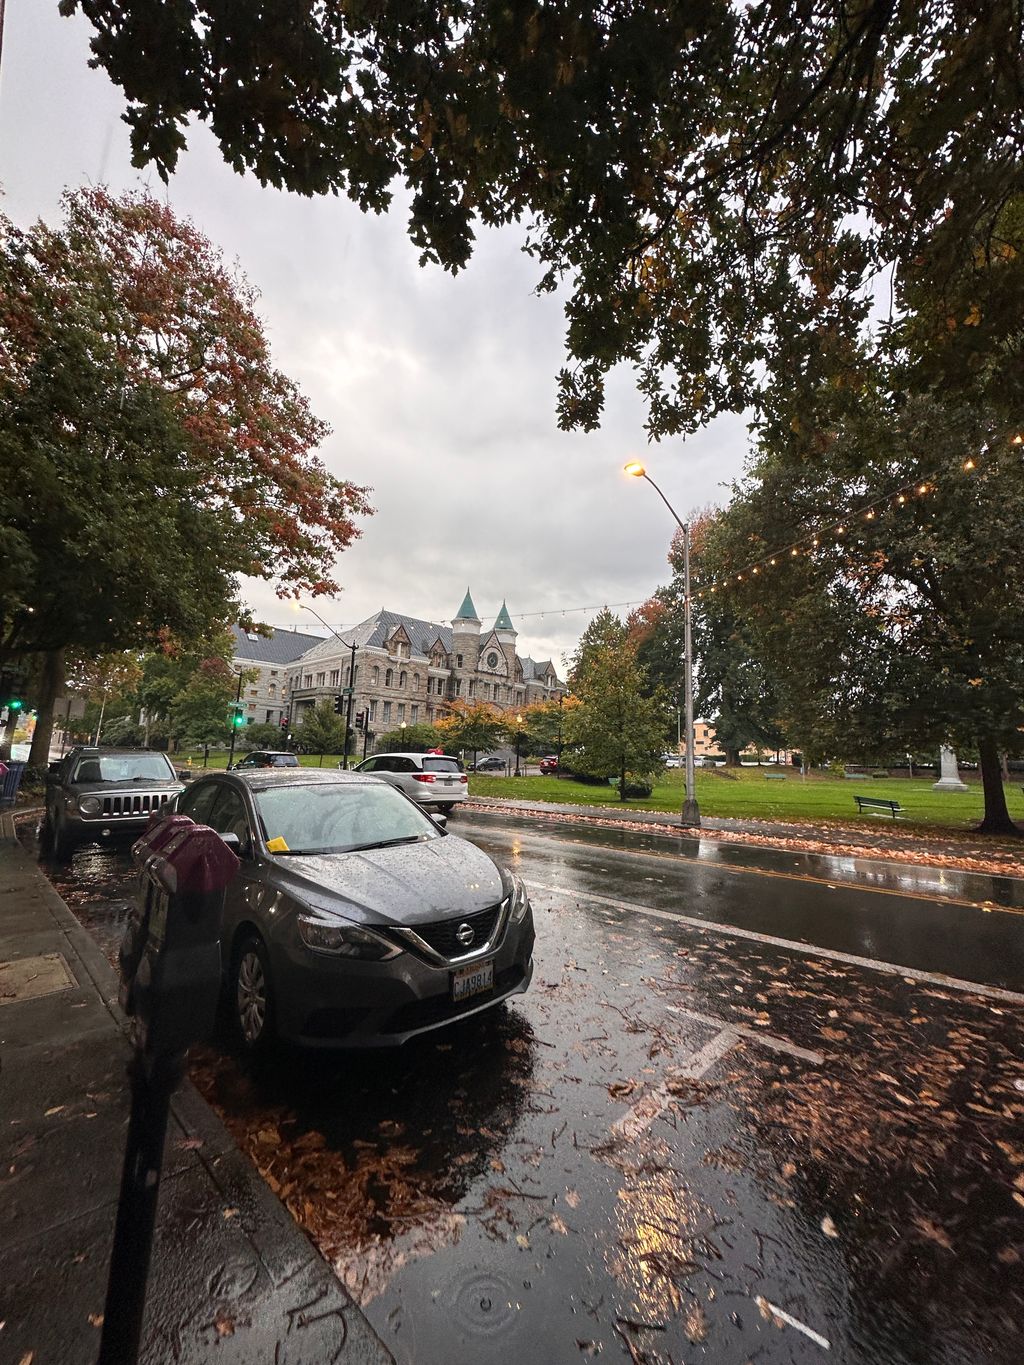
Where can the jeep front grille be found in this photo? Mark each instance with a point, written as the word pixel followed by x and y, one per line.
pixel 129 805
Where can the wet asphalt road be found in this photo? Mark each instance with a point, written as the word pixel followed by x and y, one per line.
pixel 684 1143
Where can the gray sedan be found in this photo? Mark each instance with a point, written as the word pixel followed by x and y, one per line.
pixel 355 918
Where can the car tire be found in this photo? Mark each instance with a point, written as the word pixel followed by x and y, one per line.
pixel 252 996
pixel 62 845
pixel 446 807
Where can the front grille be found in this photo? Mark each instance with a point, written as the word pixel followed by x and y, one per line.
pixel 423 1013
pixel 441 935
pixel 129 805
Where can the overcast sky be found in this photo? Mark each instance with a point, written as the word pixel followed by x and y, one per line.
pixel 440 391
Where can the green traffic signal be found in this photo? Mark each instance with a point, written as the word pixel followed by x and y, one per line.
pixel 237 717
pixel 15 704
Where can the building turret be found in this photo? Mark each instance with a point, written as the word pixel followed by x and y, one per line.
pixel 466 637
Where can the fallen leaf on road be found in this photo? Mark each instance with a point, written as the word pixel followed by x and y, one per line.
pixel 55 1110
pixel 522 1241
pixel 828 1227
pixel 572 1199
pixel 96 1319
pixel 557 1225
pixel 230 1213
pixel 933 1232
pixel 225 1326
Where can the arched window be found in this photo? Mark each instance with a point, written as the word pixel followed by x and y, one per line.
pixel 375 676
pixel 389 677
pixel 415 682
pixel 402 679
pixel 272 690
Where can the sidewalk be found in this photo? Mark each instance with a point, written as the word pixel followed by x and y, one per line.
pixel 233 1278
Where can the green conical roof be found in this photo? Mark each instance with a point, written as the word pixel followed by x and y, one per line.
pixel 503 621
pixel 467 612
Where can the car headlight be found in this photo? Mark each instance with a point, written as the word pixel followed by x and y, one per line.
pixel 90 805
pixel 519 901
pixel 344 940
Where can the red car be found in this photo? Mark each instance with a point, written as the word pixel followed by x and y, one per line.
pixel 549 765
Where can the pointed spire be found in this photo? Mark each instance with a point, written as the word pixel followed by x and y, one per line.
pixel 503 620
pixel 467 612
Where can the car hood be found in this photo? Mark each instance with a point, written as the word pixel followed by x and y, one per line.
pixel 405 885
pixel 138 784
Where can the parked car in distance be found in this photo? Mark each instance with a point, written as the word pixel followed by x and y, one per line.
pixel 672 760
pixel 492 764
pixel 267 758
pixel 428 779
pixel 549 765
pixel 99 795
pixel 355 919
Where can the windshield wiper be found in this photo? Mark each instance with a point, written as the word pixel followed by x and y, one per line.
pixel 387 843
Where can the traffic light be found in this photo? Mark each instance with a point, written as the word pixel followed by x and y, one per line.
pixel 12 684
pixel 360 719
pixel 339 704
pixel 238 716
pixel 14 703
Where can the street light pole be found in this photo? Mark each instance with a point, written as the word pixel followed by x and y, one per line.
pixel 519 736
pixel 691 811
pixel 234 713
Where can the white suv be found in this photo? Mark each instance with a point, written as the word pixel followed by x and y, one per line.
pixel 431 779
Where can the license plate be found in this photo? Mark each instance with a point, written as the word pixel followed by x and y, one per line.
pixel 469 981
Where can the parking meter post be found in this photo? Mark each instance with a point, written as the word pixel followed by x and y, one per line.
pixel 170 983
pixel 151 1091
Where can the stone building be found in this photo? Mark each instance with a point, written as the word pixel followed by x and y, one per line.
pixel 406 669
pixel 266 698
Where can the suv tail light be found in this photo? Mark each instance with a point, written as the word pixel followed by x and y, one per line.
pixel 424 777
pixel 463 778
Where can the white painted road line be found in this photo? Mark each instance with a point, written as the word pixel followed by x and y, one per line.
pixel 754 1034
pixel 656 1101
pixel 705 926
pixel 781 1313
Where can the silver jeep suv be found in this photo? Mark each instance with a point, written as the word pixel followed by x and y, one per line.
pixel 101 794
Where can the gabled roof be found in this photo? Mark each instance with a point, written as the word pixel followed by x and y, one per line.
pixel 375 632
pixel 535 670
pixel 467 612
pixel 503 621
pixel 280 647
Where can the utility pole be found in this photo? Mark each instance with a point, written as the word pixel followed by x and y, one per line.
pixel 234 716
pixel 351 694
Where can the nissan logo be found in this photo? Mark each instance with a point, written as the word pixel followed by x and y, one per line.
pixel 464 933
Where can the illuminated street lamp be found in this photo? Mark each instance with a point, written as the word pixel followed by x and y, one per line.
pixel 519 735
pixel 691 811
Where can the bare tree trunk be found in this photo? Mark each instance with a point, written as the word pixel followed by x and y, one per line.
pixel 51 685
pixel 997 817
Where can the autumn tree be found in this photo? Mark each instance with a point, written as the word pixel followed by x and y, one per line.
pixel 713 187
pixel 615 727
pixel 414 739
pixel 159 453
pixel 877 566
pixel 471 727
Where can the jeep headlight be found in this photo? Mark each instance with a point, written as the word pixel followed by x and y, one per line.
pixel 344 940
pixel 519 901
pixel 90 805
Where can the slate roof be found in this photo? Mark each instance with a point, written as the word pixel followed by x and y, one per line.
pixel 535 669
pixel 376 630
pixel 283 646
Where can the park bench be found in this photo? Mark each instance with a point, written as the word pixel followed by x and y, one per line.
pixel 775 777
pixel 877 804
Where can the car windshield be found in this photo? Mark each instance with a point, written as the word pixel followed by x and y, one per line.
pixel 139 767
pixel 339 817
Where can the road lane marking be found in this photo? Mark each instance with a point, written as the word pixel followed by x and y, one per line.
pixel 837 882
pixel 781 1313
pixel 754 1034
pixel 704 926
pixel 656 1101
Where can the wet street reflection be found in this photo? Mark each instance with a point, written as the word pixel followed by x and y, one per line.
pixel 679 1145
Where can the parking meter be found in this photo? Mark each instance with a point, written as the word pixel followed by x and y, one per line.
pixel 171 968
pixel 170 984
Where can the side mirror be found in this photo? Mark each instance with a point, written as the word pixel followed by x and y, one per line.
pixel 52 769
pixel 239 847
pixel 441 821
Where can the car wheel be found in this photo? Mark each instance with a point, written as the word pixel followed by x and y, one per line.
pixel 446 807
pixel 252 997
pixel 62 845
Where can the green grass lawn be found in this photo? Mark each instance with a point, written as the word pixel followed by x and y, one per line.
pixel 747 794
pixel 743 793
